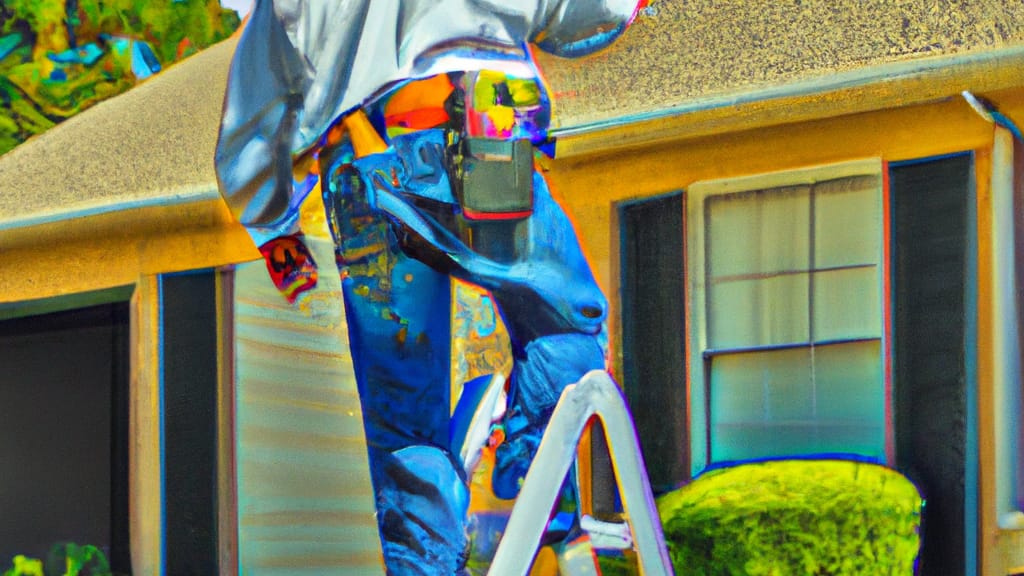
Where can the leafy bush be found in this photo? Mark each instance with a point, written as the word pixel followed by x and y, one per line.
pixel 25 567
pixel 794 517
pixel 612 565
pixel 65 559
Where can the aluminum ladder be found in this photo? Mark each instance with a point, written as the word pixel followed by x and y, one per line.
pixel 594 395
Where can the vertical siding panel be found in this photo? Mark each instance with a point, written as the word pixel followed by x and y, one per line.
pixel 305 503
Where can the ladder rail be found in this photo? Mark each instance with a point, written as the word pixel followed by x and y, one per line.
pixel 595 394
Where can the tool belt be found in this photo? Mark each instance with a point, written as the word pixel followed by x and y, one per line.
pixel 480 189
pixel 492 179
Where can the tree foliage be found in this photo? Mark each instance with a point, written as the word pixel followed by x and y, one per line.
pixel 37 92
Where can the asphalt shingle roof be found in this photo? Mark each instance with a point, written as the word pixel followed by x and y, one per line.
pixel 153 144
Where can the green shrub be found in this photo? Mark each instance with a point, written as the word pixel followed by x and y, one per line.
pixel 77 560
pixel 23 566
pixel 618 566
pixel 794 517
pixel 64 559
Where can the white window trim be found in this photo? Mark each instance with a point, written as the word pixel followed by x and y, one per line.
pixel 696 344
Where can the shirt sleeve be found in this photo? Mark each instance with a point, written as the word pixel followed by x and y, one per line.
pixel 300 64
pixel 573 28
pixel 261 105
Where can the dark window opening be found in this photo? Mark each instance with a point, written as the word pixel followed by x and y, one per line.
pixel 64 433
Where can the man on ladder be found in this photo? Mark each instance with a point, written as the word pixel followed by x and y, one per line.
pixel 422 117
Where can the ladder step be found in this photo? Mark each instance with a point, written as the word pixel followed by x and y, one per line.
pixel 607 535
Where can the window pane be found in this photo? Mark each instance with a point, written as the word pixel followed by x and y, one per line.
pixel 752 393
pixel 768 404
pixel 746 442
pixel 774 385
pixel 847 304
pixel 849 383
pixel 847 221
pixel 763 312
pixel 760 232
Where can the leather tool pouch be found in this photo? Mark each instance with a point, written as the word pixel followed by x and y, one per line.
pixel 492 178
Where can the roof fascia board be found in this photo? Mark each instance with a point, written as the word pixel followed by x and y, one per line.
pixel 890 85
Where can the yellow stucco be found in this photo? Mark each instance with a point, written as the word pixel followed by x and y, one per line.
pixel 592 184
pixel 116 248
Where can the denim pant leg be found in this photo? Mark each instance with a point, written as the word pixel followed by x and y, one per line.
pixel 551 363
pixel 422 502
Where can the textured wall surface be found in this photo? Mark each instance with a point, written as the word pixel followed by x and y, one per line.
pixel 679 51
pixel 305 503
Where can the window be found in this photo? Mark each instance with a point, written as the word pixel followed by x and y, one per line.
pixel 786 289
pixel 64 433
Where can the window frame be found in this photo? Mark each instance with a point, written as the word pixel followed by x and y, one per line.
pixel 697 337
